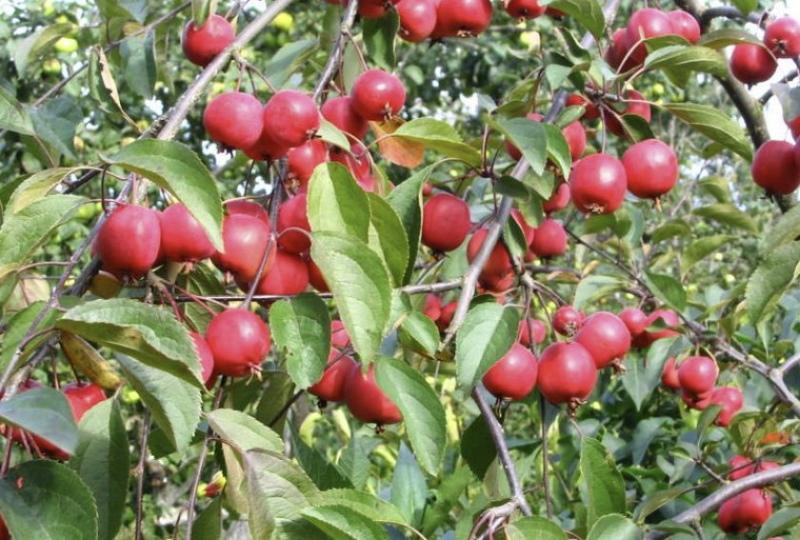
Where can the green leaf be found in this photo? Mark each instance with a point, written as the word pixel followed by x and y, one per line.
pixel 202 9
pixel 208 525
pixel 363 503
pixel 13 115
pixel 379 37
pixel 725 37
pixel 243 432
pixel 55 122
pixel 173 403
pixel 301 329
pixel 683 59
pixel 336 203
pixel 488 332
pixel 44 412
pixel 714 124
pixel 409 490
pixel 139 63
pixel 422 410
pixel 176 168
pixel 150 334
pixel 474 448
pixel 47 500
pixel 780 522
pixel 360 286
pixel 343 523
pixel 406 199
pixel 278 391
pixel 614 527
pixel 594 287
pixel 785 231
pixel 103 463
pixel 728 214
pixel 278 492
pixel 123 9
pixel 702 248
pixel 387 238
pixel 667 289
pixel 603 484
pixel 36 187
pixel 323 473
pixel 534 528
pixel 587 12
pixel 17 329
pixel 656 500
pixel 670 229
pixel 289 58
pixel 32 46
pixel 745 6
pixel 643 373
pixel 770 280
pixel 557 149
pixel 419 333
pixel 440 137
pixel 529 137
pixel 332 135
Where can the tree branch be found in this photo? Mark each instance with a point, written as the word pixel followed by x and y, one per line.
pixel 332 65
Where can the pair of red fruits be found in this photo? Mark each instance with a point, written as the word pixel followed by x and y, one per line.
pixel 696 377
pixel 753 63
pixel 750 509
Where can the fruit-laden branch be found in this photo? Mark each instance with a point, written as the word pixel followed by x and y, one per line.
pixel 769 93
pixel 335 58
pixel 730 490
pixel 175 117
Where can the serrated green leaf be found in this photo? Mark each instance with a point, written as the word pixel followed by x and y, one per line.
pixel 139 63
pixel 422 410
pixel 13 115
pixel 667 289
pixel 406 199
pixel 534 528
pixel 727 214
pixel 336 203
pixel 714 124
pixel 771 279
pixel 243 432
pixel 36 187
pixel 379 37
pixel 588 13
pixel 387 238
pixel 699 249
pixel 725 37
pixel 603 484
pixel 440 137
pixel 343 523
pixel 785 231
pixel 488 332
pixel 530 137
pixel 44 412
pixel 615 527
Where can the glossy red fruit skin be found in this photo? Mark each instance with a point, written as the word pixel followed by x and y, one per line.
pixel 575 136
pixel 550 239
pixel 82 397
pixel 741 466
pixel 598 184
pixel 668 318
pixel 567 373
pixel 367 401
pixel 590 110
pixel 775 168
pixel 183 239
pixel 340 339
pixel 248 208
pixel 239 341
pixel 331 385
pixel 635 319
pixel 558 200
pixel 445 222
pixel 432 307
pixel 288 275
pixel 534 326
pixel 752 64
pixel 669 375
pixel 513 376
pixel 618 51
pixel 635 105
pixel 4 534
pixel 202 44
pixel 129 240
pixel 794 127
pixel 291 118
pixel 234 120
pixel 606 338
pixel 696 401
pixel 447 316
pixel 499 262
pixel 357 161
pixel 302 160
pixel 647 23
pixel 782 36
pixel 462 18
pixel 417 19
pixel 377 95
pixel 731 401
pixel 204 354
pixel 524 9
pixel 339 111
pixel 749 509
pixel 698 374
pixel 294 230
pixel 567 320
pixel 315 276
pixel 684 25
pixel 245 238
pixel 651 167
pixel 266 148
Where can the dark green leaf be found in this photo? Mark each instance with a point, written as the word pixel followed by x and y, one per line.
pixel 44 412
pixel 419 333
pixel 289 58
pixel 604 487
pixel 301 329
pixel 379 38
pixel 409 490
pixel 688 59
pixel 642 374
pixel 55 122
pixel 32 46
pixel 103 463
pixel 363 503
pixel 714 124
pixel 780 522
pixel 208 525
pixel 558 150
pixel 614 527
pixel 785 231
pixel 667 289
pixel 771 279
pixel 422 410
pixel 406 199
pixel 530 137
pixel 337 204
pixel 139 63
pixel 727 214
pixel 588 13
pixel 534 528
pixel 474 448
pixel 670 229
pixel 176 168
pixel 343 523
pixel 322 472
pixel 387 238
pixel 702 248
pixel 13 115
pixel 724 37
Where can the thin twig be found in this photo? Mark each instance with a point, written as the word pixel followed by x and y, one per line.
pixel 140 472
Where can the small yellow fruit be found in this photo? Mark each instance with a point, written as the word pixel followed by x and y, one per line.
pixel 66 45
pixel 531 40
pixel 730 279
pixel 51 66
pixel 126 141
pixel 78 143
pixel 48 8
pixel 284 21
